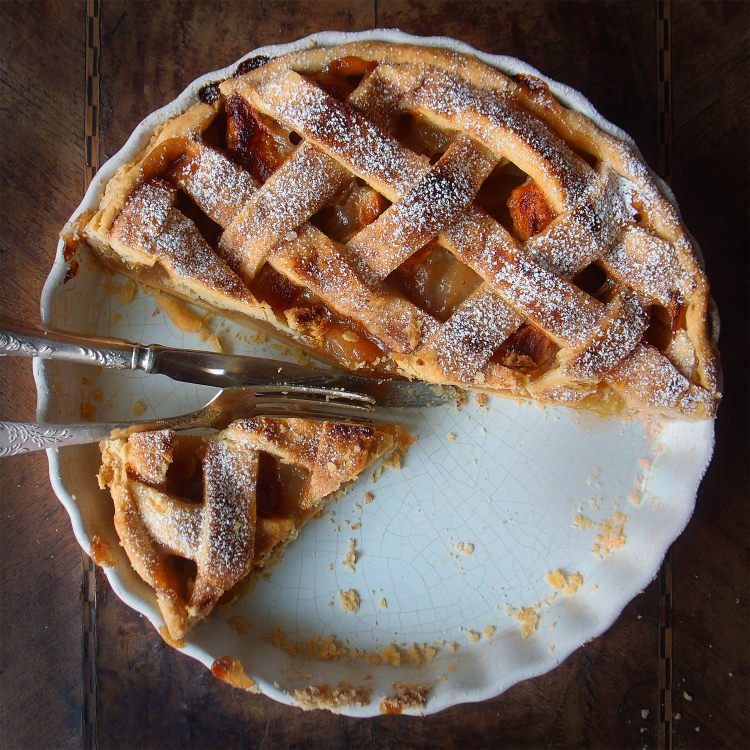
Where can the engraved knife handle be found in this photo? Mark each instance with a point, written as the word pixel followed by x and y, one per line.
pixel 20 339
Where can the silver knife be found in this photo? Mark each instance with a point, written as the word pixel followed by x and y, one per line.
pixel 207 368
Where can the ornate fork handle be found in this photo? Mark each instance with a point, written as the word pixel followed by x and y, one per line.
pixel 22 437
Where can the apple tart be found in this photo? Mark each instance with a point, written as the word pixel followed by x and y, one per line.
pixel 412 212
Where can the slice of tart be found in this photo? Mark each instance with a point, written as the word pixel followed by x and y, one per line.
pixel 199 517
pixel 413 212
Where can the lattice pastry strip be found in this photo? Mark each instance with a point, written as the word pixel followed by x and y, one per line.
pixel 569 215
pixel 299 188
pixel 240 522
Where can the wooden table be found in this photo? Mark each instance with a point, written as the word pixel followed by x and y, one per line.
pixel 77 667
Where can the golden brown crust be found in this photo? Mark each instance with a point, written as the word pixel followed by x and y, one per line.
pixel 537 217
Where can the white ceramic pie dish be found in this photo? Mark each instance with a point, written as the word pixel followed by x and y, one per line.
pixel 507 478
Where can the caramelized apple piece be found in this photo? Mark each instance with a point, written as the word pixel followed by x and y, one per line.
pixel 253 141
pixel 435 280
pixel 529 210
pixel 527 347
pixel 341 76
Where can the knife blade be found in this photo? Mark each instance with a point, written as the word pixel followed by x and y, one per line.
pixel 207 368
pixel 225 370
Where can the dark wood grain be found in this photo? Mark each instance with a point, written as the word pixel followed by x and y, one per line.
pixel 144 68
pixel 711 583
pixel 41 182
pixel 149 695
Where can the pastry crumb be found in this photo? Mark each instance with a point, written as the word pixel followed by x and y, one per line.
pixel 391 655
pixel 634 498
pixel 573 583
pixel 528 617
pixel 481 399
pixel 472 636
pixel 327 649
pixel 555 579
pixel 351 556
pixel 465 548
pixel 452 436
pixel 420 654
pixel 325 696
pixel 489 631
pixel 350 601
pixel 138 408
pixel 593 478
pixel 567 584
pixel 405 697
pixel 369 497
pixel 383 604
pixel 611 536
pixel 583 522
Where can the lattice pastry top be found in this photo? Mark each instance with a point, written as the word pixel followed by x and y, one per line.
pixel 412 211
pixel 198 517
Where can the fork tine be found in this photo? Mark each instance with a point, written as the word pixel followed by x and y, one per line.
pixel 302 404
pixel 326 395
pixel 300 401
pixel 309 412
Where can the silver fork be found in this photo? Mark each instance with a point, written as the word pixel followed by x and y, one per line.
pixel 223 409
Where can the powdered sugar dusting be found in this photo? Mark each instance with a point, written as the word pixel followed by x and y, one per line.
pixel 552 303
pixel 341 130
pixel 217 185
pixel 226 551
pixel 150 223
pixel 646 262
pixel 465 343
pixel 299 188
pixel 616 338
pixel 430 206
pixel 495 121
